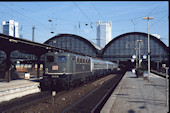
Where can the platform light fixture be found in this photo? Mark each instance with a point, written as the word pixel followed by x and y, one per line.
pixel 136 49
pixel 139 41
pixel 147 18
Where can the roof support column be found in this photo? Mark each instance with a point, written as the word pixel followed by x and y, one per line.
pixel 8 65
pixel 38 66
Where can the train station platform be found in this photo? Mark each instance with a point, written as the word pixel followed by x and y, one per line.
pixel 18 88
pixel 137 95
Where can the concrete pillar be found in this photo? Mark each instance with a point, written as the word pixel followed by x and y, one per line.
pixel 38 66
pixel 8 65
pixel 158 66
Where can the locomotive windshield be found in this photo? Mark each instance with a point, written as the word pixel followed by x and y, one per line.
pixel 61 59
pixel 50 58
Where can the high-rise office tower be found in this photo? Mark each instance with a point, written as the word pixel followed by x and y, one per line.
pixel 104 33
pixel 10 28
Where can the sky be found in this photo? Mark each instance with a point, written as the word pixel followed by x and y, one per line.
pixel 81 17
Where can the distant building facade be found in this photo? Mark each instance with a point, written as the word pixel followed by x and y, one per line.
pixel 104 33
pixel 10 28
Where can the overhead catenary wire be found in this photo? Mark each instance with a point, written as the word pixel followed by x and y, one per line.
pixel 150 12
pixel 85 15
pixel 82 11
pixel 155 8
pixel 61 19
pixel 46 9
pixel 158 20
pixel 78 21
pixel 97 11
pixel 27 17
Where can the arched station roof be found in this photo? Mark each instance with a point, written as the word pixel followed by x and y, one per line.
pixel 123 47
pixel 74 43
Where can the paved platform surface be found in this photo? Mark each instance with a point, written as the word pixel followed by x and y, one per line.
pixel 137 95
pixel 18 88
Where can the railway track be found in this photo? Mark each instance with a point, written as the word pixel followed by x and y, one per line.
pixel 42 102
pixel 159 74
pixel 95 100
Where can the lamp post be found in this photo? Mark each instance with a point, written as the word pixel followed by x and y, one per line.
pixel 148 46
pixel 136 49
pixel 139 52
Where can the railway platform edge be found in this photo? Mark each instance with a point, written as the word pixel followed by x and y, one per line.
pixel 17 88
pixel 137 95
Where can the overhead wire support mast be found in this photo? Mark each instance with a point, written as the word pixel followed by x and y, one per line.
pixel 33 27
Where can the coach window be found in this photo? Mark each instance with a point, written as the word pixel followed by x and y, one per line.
pixel 88 61
pixel 77 60
pixel 81 61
